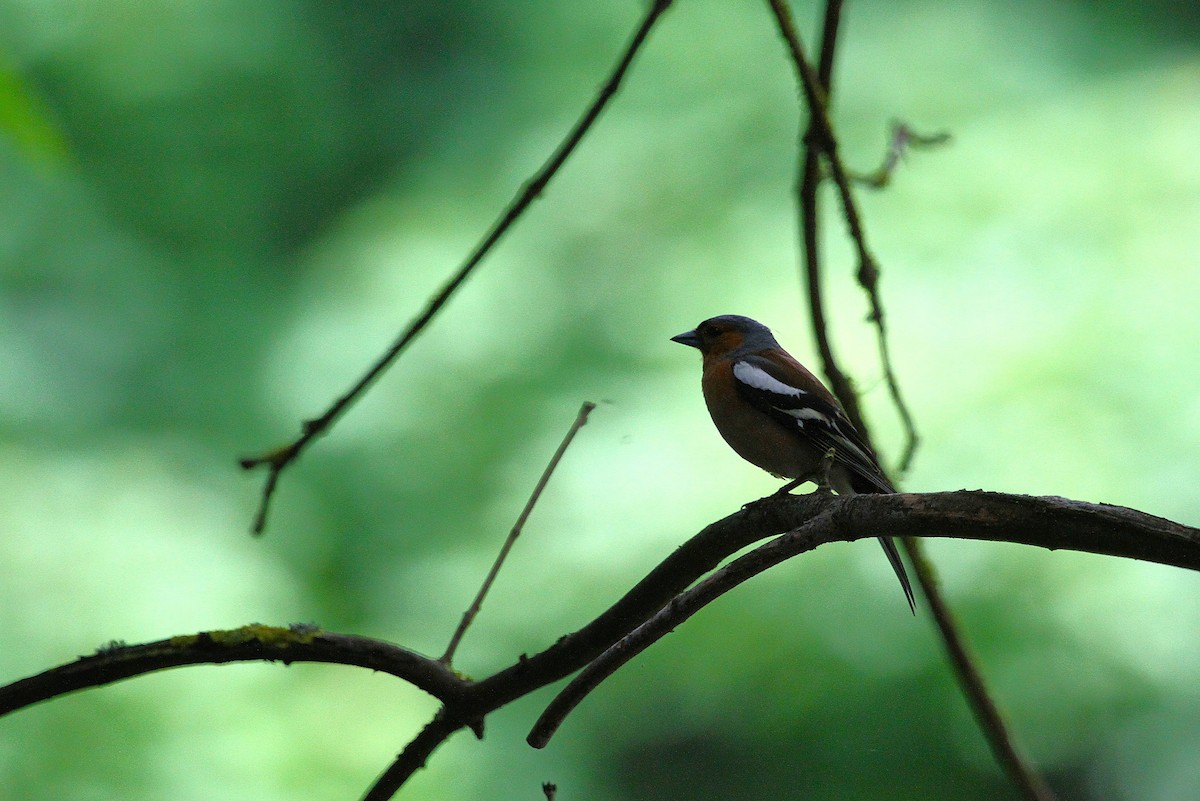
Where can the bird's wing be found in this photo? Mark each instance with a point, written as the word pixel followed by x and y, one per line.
pixel 812 413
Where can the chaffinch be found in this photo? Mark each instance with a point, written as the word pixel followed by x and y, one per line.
pixel 778 416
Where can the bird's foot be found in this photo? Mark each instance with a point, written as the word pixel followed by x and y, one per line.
pixel 824 485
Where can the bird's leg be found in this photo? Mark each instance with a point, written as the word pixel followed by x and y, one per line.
pixel 824 486
pixel 820 476
pixel 788 487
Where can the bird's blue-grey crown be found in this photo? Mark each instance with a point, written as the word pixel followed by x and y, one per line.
pixel 756 336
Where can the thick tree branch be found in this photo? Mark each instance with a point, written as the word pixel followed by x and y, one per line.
pixel 253 643
pixel 667 620
pixel 413 757
pixel 663 596
pixel 1054 523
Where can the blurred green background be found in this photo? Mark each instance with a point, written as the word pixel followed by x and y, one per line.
pixel 214 215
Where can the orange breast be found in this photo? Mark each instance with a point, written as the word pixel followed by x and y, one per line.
pixel 754 435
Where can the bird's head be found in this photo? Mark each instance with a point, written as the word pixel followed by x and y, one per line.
pixel 727 334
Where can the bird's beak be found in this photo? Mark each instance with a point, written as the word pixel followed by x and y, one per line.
pixel 689 338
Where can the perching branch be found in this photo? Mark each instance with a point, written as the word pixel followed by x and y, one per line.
pixel 476 604
pixel 1046 522
pixel 1053 523
pixel 278 459
pixel 664 622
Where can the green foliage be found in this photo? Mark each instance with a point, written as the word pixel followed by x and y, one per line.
pixel 215 215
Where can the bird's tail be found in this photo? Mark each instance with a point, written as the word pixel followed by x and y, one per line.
pixel 893 555
pixel 851 483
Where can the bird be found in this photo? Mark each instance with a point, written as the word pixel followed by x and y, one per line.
pixel 778 416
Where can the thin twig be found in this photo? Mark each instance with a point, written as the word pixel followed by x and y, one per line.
pixel 911 438
pixel 279 459
pixel 809 198
pixel 901 140
pixel 822 137
pixel 473 609
pixel 987 714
